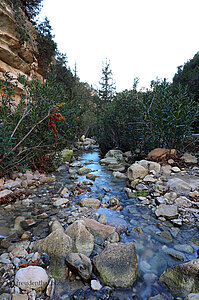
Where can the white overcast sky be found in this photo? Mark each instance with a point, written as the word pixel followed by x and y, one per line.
pixel 142 38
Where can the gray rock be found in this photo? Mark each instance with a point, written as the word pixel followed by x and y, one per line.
pixel 60 202
pixel 50 288
pixel 118 154
pixel 32 277
pixel 184 248
pixel 90 203
pixel 116 167
pixel 84 170
pixel 57 245
pixel 182 279
pixel 179 185
pixel 95 285
pixel 150 165
pixel 80 263
pixel 189 159
pixel 183 202
pixel 83 240
pixel 192 296
pixel 117 265
pixel 119 175
pixel 108 161
pixel 167 211
pixel 136 171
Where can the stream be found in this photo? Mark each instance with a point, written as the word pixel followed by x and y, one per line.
pixel 152 249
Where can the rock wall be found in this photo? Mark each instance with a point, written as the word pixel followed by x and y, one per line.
pixel 17 56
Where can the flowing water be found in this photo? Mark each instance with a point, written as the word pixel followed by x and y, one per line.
pixel 152 250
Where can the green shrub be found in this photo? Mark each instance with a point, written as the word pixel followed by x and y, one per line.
pixel 38 126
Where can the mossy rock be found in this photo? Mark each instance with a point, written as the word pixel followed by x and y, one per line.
pixel 67 155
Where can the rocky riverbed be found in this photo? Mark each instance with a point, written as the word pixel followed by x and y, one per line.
pixel 101 229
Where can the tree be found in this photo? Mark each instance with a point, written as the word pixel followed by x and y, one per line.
pixel 107 84
pixel 188 75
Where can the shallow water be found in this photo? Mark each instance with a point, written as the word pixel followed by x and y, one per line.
pixel 151 249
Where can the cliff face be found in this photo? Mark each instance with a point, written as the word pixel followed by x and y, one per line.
pixel 17 54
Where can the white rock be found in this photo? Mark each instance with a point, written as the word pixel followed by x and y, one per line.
pixel 150 165
pixel 95 285
pixel 175 169
pixel 32 277
pixel 149 178
pixel 60 202
pixel 5 193
pixel 189 159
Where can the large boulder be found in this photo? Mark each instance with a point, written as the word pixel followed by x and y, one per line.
pixel 182 279
pixel 83 240
pixel 179 185
pixel 117 265
pixel 161 152
pixel 136 171
pixel 167 211
pixel 32 277
pixel 57 245
pixel 150 165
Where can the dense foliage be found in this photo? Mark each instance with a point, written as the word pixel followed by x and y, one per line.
pixel 160 117
pixel 44 121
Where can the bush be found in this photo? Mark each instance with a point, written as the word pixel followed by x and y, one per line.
pixel 35 128
pixel 160 117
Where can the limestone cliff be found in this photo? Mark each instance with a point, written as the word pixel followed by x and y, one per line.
pixel 18 47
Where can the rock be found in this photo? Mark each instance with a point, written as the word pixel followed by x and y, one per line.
pixel 32 277
pixel 167 211
pixel 5 193
pixel 98 229
pixel 5 296
pixel 118 154
pixel 32 295
pixel 136 171
pixel 91 176
pixel 119 175
pixel 113 238
pixel 50 288
pixel 84 170
pixel 116 167
pixel 194 194
pixel 184 248
pixel 189 159
pixel 192 296
pixel 67 155
pixel 60 202
pixel 55 225
pixel 170 196
pixel 175 169
pixel 76 164
pixel 183 202
pixel 150 165
pixel 80 263
pixel 195 239
pixel 82 238
pixel 95 285
pixel 166 235
pixel 170 161
pixel 117 265
pixel 90 203
pixel 183 278
pixel 161 152
pixel 179 185
pixel 108 161
pixel 19 297
pixel 113 202
pixel 166 169
pixel 149 179
pixel 102 219
pixel 159 297
pixel 57 245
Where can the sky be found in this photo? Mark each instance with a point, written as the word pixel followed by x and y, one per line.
pixel 142 38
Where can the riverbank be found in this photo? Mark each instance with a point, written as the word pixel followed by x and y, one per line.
pixel 55 208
